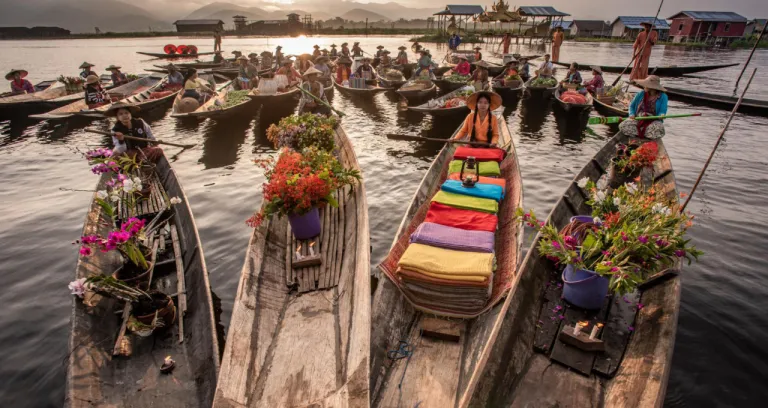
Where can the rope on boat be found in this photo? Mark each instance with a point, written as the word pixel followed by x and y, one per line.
pixel 404 350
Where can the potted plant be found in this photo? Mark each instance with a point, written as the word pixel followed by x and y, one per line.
pixel 127 240
pixel 634 234
pixel 302 131
pixel 297 184
pixel 630 161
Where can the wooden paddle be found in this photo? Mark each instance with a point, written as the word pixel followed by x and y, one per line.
pixel 138 139
pixel 324 103
pixel 394 136
pixel 618 119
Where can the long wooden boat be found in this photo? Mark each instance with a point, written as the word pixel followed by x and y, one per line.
pixel 670 71
pixel 369 90
pixel 634 369
pixel 440 373
pixel 448 86
pixel 539 91
pixel 507 92
pixel 430 108
pixel 301 337
pixel 22 105
pixel 94 376
pixel 290 97
pixel 417 94
pixel 133 92
pixel 212 108
pixel 617 108
pixel 172 56
pixel 196 65
pixel 40 86
pixel 575 107
pixel 748 106
pixel 388 83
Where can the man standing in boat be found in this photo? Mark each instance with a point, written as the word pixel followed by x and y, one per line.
pixel 316 53
pixel 334 52
pixel 278 57
pixel 557 41
pixel 217 40
pixel 642 51
pixel 356 50
pixel 506 41
pixel 402 56
pixel 345 49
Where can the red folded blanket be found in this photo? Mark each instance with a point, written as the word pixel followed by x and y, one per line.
pixel 459 218
pixel 160 94
pixel 479 153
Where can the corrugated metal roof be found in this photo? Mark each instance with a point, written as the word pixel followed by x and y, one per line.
pixel 538 11
pixel 192 22
pixel 633 22
pixel 461 10
pixel 592 25
pixel 712 16
pixel 564 24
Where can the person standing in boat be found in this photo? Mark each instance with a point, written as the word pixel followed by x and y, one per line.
pixel 596 83
pixel 365 70
pixel 129 125
pixel 356 50
pixel 557 41
pixel 402 56
pixel 95 95
pixel 86 70
pixel 345 49
pixel 647 38
pixel 324 53
pixel 651 101
pixel 478 54
pixel 379 49
pixel 118 78
pixel 480 77
pixel 506 41
pixel 315 87
pixel 334 52
pixel 481 125
pixel 316 53
pixel 425 62
pixel 19 85
pixel 573 76
pixel 463 67
pixel 290 72
pixel 216 40
pixel 343 69
pixel 279 57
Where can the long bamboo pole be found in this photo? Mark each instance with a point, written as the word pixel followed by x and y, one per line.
pixel 759 38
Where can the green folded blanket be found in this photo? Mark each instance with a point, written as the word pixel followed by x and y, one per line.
pixel 466 202
pixel 487 168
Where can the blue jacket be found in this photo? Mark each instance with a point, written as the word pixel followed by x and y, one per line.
pixel 454 42
pixel 661 104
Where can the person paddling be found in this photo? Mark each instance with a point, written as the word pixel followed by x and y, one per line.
pixel 651 101
pixel 315 87
pixel 356 50
pixel 118 78
pixel 129 125
pixel 19 85
pixel 481 125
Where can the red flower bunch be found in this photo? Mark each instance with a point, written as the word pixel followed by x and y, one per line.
pixel 644 156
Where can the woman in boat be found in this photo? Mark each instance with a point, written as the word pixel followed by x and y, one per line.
pixel 379 50
pixel 315 87
pixel 356 50
pixel 345 49
pixel 19 85
pixel 573 76
pixel 95 95
pixel 425 62
pixel 253 59
pixel 343 69
pixel 506 41
pixel 194 88
pixel 525 69
pixel 651 101
pixel 175 78
pixel 237 54
pixel 118 78
pixel 290 72
pixel 304 63
pixel 316 53
pixel 128 125
pixel 644 42
pixel 557 41
pixel 402 56
pixel 246 77
pixel 334 52
pixel 480 77
pixel 463 67
pixel 365 70
pixel 266 60
pixel 597 82
pixel 321 65
pixel 385 61
pixel 481 125
pixel 86 70
pixel 478 54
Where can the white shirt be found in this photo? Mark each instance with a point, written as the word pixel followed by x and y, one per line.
pixel 121 147
pixel 546 64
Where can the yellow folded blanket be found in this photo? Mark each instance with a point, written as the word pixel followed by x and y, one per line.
pixel 466 202
pixel 486 168
pixel 447 264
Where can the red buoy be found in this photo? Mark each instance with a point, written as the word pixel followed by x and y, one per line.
pixel 170 49
pixel 182 49
pixel 192 49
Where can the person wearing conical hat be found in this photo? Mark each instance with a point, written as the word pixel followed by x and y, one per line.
pixel 402 56
pixel 246 74
pixel 645 42
pixel 597 82
pixel 128 124
pixel 290 72
pixel 481 125
pixel 463 67
pixel 266 60
pixel 86 70
pixel 356 50
pixel 118 78
pixel 175 78
pixel 95 95
pixel 379 49
pixel 343 68
pixel 324 52
pixel 334 52
pixel 321 64
pixel 385 61
pixel 316 53
pixel 651 101
pixel 304 62
pixel 253 58
pixel 425 62
pixel 345 49
pixel 279 57
pixel 237 53
pixel 313 86
pixel 480 77
pixel 19 85
pixel 478 54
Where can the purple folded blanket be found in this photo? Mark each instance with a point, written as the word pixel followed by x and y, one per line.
pixel 442 236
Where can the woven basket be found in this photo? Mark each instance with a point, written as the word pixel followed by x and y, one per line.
pixel 570 87
pixel 608 100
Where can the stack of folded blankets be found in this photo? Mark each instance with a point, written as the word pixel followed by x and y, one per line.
pixel 450 261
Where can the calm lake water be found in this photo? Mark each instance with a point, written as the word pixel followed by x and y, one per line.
pixel 720 357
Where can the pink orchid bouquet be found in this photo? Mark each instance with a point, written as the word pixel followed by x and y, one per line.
pixel 127 240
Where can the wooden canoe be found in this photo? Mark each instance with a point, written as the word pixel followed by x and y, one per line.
pixel 539 91
pixel 15 106
pixel 748 106
pixel 301 337
pixel 507 92
pixel 172 56
pixel 284 99
pixel 614 109
pixel 634 369
pixel 449 86
pixel 369 90
pixel 94 376
pixel 670 71
pixel 211 108
pixel 40 86
pixel 458 112
pixel 390 84
pixel 417 94
pixel 140 89
pixel 575 107
pixel 440 373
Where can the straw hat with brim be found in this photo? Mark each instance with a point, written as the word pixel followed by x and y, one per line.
pixel 85 65
pixel 11 73
pixel 651 82
pixel 357 42
pixel 312 71
pixel 386 52
pixel 236 52
pixel 321 59
pixel 402 47
pixel 253 55
pixel 379 47
pixel 460 56
pixel 112 111
pixel 342 44
pixel 482 64
pixel 279 47
pixel 493 96
pixel 92 79
pixel 266 53
pixel 111 67
pixel 305 56
pixel 241 58
pixel 344 60
pixel 333 45
pixel 596 69
pixel 315 46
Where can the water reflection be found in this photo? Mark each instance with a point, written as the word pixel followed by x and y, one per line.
pixel 570 125
pixel 533 115
pixel 222 141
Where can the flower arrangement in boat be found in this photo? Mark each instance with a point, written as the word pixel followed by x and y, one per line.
pixel 302 131
pixel 633 234
pixel 126 240
pixel 72 84
pixel 635 157
pixel 298 182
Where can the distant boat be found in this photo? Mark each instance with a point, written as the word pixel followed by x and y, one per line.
pixel 670 71
pixel 172 56
pixel 748 106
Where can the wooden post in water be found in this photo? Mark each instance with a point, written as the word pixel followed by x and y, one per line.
pixel 366 27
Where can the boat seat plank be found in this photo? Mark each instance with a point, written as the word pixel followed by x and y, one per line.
pixel 545 384
pixel 548 325
pixel 325 276
pixel 145 206
pixel 341 234
pixel 616 333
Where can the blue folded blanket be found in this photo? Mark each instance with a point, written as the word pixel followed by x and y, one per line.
pixel 479 190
